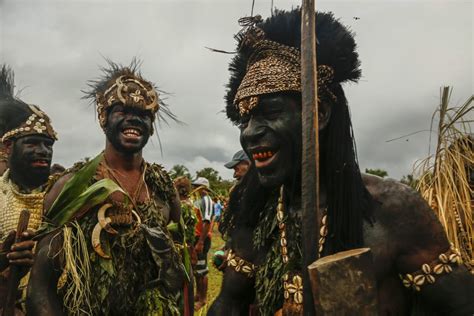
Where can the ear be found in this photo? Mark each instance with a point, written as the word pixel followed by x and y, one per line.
pixel 8 145
pixel 324 114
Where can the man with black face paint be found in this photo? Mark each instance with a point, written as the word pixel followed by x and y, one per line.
pixel 414 263
pixel 130 264
pixel 27 140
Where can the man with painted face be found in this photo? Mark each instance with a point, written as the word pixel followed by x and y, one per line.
pixel 115 252
pixel 27 140
pixel 412 258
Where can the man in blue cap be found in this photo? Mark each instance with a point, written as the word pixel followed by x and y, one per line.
pixel 240 163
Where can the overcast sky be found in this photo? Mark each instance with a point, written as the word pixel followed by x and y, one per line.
pixel 408 50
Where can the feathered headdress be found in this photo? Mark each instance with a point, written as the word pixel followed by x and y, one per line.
pixel 17 118
pixel 268 59
pixel 125 85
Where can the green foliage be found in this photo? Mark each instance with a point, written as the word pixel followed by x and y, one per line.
pixel 410 181
pixel 377 172
pixel 78 194
pixel 218 185
pixel 210 174
pixel 179 171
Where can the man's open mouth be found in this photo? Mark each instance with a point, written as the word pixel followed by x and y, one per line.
pixel 264 156
pixel 40 163
pixel 132 132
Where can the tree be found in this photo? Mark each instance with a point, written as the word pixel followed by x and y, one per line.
pixel 378 172
pixel 410 181
pixel 210 174
pixel 218 185
pixel 179 171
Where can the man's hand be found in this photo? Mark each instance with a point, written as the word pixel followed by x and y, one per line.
pixel 220 259
pixel 194 258
pixel 199 246
pixel 18 254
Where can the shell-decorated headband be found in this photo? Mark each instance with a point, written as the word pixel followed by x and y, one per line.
pixel 273 67
pixel 127 90
pixel 37 123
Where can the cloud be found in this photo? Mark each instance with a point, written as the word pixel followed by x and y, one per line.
pixel 408 50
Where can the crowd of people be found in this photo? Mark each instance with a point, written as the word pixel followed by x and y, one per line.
pixel 115 235
pixel 201 213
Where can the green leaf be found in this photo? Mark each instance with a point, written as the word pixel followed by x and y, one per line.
pixel 75 186
pixel 94 195
pixel 172 227
pixel 79 195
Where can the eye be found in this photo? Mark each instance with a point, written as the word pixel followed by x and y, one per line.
pixel 272 113
pixel 49 143
pixel 244 121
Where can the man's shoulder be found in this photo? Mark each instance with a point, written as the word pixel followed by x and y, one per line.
pixel 159 181
pixel 158 172
pixel 402 210
pixel 392 193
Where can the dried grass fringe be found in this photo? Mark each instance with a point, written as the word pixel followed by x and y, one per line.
pixel 77 271
pixel 443 177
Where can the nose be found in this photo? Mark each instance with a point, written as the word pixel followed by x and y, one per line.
pixel 132 118
pixel 254 130
pixel 44 150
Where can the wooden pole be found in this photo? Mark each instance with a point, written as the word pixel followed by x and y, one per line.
pixel 310 150
pixel 14 279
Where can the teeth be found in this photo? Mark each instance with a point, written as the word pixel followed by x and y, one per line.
pixel 131 131
pixel 263 155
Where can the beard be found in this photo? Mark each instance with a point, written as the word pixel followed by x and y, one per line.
pixel 115 136
pixel 21 166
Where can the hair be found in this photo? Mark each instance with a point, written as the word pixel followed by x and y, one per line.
pixel 111 72
pixel 13 111
pixel 183 186
pixel 349 202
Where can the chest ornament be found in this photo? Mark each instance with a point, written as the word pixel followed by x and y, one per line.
pixel 293 281
pixel 120 216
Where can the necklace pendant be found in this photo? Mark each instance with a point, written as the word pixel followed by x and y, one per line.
pixel 293 294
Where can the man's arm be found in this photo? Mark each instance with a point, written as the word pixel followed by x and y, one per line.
pixel 55 190
pixel 42 297
pixel 175 208
pixel 422 240
pixel 236 295
pixel 207 213
pixel 14 254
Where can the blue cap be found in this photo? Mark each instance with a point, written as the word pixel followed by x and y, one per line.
pixel 236 159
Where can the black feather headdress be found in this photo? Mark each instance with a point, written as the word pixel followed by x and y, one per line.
pixel 13 111
pixel 17 118
pixel 348 203
pixel 335 48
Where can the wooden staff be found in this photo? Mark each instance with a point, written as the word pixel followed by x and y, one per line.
pixel 321 292
pixel 15 273
pixel 310 154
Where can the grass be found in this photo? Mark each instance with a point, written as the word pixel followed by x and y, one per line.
pixel 215 276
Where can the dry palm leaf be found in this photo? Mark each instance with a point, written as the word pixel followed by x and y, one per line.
pixel 445 179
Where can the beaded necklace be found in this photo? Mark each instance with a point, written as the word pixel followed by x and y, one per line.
pixel 293 284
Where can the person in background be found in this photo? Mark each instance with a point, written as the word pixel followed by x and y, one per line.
pixel 240 163
pixel 26 153
pixel 204 211
pixel 217 212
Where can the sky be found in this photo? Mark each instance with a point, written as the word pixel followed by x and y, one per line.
pixel 408 50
